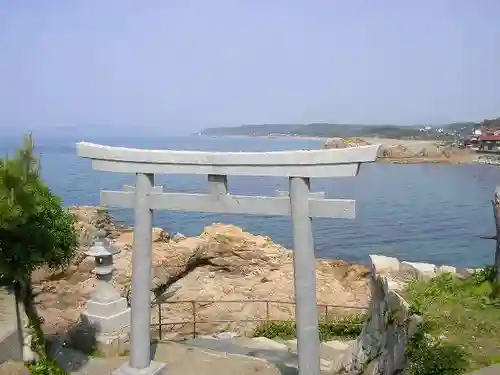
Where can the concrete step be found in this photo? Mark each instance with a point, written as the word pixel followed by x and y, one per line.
pixel 208 355
pixel 285 361
pixel 281 354
pixel 329 350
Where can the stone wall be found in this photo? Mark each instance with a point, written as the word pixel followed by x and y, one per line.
pixel 380 349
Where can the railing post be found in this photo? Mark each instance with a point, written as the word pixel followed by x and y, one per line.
pixel 193 309
pixel 304 263
pixel 159 322
pixel 496 214
pixel 267 315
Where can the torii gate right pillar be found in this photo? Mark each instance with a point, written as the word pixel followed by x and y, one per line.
pixel 304 265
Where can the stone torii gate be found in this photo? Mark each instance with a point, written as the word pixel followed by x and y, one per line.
pixel 299 202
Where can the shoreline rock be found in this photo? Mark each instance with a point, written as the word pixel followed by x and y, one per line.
pixel 400 151
pixel 224 263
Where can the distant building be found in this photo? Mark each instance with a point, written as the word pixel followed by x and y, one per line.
pixel 489 143
pixel 426 128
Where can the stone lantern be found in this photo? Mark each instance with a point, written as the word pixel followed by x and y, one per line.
pixel 107 314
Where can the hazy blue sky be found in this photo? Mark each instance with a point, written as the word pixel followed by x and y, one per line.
pixel 181 65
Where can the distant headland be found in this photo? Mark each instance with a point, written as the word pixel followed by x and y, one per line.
pixel 327 130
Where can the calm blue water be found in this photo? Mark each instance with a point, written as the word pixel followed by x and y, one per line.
pixel 433 213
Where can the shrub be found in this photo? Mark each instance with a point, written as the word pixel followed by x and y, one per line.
pixel 35 231
pixel 428 356
pixel 46 367
pixel 487 274
pixel 285 330
pixel 349 326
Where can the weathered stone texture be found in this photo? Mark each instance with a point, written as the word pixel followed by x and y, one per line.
pixel 380 349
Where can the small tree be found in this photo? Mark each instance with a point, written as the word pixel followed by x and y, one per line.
pixel 35 230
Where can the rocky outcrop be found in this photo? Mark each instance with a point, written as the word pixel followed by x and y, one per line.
pixel 344 142
pixel 224 263
pixel 335 143
pixel 380 349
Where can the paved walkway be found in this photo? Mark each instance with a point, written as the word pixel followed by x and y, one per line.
pixel 181 360
pixel 492 370
pixel 10 347
pixel 8 320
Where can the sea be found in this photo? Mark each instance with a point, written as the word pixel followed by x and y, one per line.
pixel 417 212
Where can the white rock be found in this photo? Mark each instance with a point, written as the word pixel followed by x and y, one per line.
pixel 420 270
pixel 381 263
pixel 446 269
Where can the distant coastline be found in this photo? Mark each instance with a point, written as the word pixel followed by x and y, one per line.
pixel 322 131
pixel 281 136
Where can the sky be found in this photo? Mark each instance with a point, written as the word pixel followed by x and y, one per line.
pixel 177 66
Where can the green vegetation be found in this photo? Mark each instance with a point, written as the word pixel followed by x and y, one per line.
pixel 35 231
pixel 46 367
pixel 347 327
pixel 461 329
pixel 429 356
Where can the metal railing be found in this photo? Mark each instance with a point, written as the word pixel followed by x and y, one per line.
pixel 194 321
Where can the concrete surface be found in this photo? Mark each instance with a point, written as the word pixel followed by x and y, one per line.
pixel 13 368
pixel 282 354
pixel 10 337
pixel 181 360
pixel 491 370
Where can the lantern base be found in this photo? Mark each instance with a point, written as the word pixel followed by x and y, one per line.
pixel 107 308
pixel 106 327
